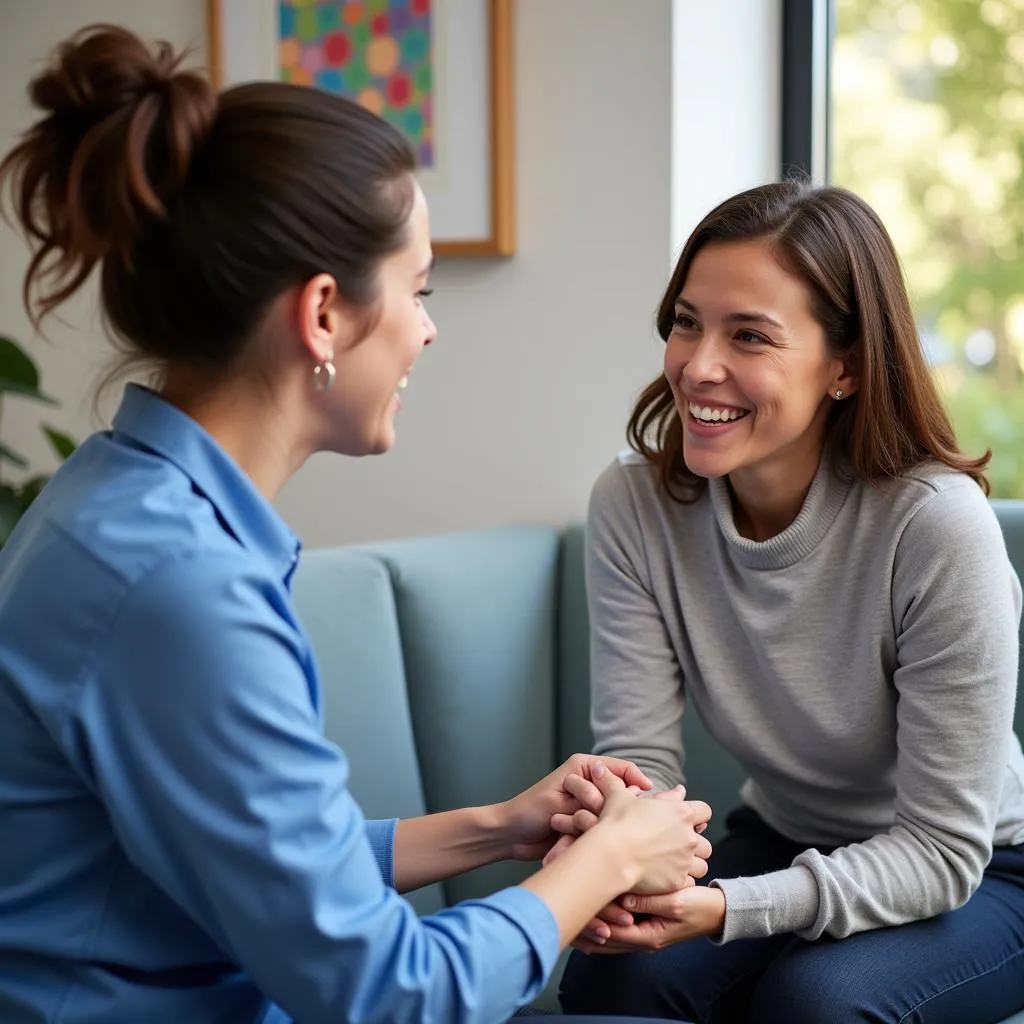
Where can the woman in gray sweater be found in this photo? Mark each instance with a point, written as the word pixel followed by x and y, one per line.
pixel 797 547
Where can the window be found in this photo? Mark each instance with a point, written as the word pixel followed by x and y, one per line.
pixel 918 105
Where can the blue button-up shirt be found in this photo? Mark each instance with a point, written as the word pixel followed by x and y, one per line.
pixel 177 839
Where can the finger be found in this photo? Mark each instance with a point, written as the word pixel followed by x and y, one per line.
pixel 700 827
pixel 703 849
pixel 699 810
pixel 614 914
pixel 629 772
pixel 664 905
pixel 563 823
pixel 675 793
pixel 586 946
pixel 606 781
pixel 584 820
pixel 596 930
pixel 698 869
pixel 585 792
pixel 558 849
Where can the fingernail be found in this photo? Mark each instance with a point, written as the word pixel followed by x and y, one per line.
pixel 599 769
pixel 629 902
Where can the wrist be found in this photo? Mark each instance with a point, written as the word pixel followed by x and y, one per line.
pixel 623 866
pixel 495 826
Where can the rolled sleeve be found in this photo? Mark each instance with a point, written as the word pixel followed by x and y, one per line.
pixel 198 731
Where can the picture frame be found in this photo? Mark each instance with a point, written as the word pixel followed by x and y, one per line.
pixel 464 130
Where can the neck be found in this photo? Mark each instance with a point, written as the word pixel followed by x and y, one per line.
pixel 767 499
pixel 251 424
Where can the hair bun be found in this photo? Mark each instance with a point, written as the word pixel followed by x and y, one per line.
pixel 121 124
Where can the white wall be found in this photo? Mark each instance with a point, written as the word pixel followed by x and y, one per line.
pixel 525 395
pixel 726 87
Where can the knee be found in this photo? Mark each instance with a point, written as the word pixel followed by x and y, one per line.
pixel 796 990
pixel 622 984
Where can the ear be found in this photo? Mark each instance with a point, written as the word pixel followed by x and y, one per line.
pixel 847 374
pixel 319 319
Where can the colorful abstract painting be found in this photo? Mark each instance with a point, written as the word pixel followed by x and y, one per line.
pixel 376 52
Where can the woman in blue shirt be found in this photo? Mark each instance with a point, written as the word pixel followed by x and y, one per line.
pixel 180 843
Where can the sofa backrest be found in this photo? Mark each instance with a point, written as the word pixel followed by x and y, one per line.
pixel 439 662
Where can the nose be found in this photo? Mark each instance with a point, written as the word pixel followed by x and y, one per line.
pixel 431 330
pixel 701 361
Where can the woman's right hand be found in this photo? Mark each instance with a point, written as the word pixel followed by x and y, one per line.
pixel 658 840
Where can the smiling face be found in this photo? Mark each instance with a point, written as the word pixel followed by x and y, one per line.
pixel 749 369
pixel 372 370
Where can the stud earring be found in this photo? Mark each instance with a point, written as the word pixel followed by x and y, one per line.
pixel 323 375
pixel 838 396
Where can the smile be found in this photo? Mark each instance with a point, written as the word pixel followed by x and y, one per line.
pixel 716 413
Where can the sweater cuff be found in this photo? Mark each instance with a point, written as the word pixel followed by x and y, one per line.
pixel 773 904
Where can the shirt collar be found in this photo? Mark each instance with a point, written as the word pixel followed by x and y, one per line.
pixel 149 420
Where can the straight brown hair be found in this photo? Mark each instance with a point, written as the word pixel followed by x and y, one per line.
pixel 835 243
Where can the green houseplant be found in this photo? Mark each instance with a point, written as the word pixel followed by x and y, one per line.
pixel 19 376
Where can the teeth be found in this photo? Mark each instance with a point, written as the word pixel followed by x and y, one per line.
pixel 404 382
pixel 710 414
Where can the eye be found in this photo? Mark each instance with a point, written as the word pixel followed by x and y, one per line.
pixel 685 322
pixel 424 293
pixel 752 338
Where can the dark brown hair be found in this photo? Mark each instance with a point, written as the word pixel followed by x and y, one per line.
pixel 835 243
pixel 199 209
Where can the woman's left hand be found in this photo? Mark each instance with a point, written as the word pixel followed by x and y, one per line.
pixel 526 818
pixel 674 917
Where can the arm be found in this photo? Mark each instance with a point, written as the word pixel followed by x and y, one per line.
pixel 198 733
pixel 637 686
pixel 956 606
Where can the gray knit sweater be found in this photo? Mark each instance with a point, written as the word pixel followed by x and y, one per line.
pixel 861 666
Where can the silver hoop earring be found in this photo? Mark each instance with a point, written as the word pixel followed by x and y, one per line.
pixel 838 396
pixel 323 375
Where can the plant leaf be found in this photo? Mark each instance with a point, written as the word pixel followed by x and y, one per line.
pixel 13 457
pixel 10 511
pixel 19 374
pixel 30 490
pixel 62 444
pixel 9 386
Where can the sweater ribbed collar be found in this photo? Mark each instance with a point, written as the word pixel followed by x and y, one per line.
pixel 828 492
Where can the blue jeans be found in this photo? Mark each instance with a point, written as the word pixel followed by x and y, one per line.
pixel 962 967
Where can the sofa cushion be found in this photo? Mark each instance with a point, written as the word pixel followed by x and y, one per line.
pixel 347 605
pixel 476 612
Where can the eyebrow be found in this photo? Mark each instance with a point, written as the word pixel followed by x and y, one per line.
pixel 736 318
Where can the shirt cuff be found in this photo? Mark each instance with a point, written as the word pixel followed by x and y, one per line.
pixel 773 904
pixel 533 916
pixel 381 836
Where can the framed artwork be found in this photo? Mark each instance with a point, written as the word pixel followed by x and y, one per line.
pixel 439 70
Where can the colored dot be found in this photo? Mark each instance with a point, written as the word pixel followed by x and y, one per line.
pixel 312 59
pixel 376 6
pixel 288 53
pixel 412 122
pixel 354 13
pixel 379 24
pixel 423 78
pixel 300 76
pixel 415 46
pixel 382 56
pixel 426 154
pixel 357 77
pixel 285 21
pixel 330 80
pixel 399 89
pixel 305 24
pixel 328 18
pixel 399 19
pixel 421 7
pixel 372 100
pixel 337 49
pixel 360 35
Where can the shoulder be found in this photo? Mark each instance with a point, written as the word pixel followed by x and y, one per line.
pixel 629 484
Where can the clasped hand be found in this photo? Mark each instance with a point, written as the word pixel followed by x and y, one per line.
pixel 641 922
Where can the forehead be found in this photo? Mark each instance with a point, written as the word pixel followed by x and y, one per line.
pixel 745 273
